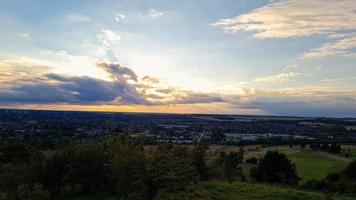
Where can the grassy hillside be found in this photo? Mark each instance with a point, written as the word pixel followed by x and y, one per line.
pixel 316 165
pixel 242 191
pixel 310 164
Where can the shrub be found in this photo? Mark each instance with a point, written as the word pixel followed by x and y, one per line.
pixel 275 167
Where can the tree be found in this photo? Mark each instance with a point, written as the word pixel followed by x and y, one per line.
pixel 171 167
pixel 20 166
pixel 129 169
pixel 78 168
pixel 199 161
pixel 232 160
pixel 275 167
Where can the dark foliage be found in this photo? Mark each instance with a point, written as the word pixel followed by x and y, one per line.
pixel 117 166
pixel 330 148
pixel 343 182
pixel 275 167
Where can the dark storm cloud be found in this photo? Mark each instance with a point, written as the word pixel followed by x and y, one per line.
pixel 54 88
pixel 117 72
pixel 123 89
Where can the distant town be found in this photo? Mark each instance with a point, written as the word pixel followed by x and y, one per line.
pixel 51 128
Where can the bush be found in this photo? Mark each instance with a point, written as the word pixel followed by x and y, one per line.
pixel 20 166
pixel 275 167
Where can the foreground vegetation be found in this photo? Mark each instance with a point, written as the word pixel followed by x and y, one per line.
pixel 245 191
pixel 124 168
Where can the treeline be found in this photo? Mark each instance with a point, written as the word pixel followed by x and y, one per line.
pixel 330 148
pixel 119 167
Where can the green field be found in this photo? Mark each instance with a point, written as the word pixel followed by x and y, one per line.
pixel 242 191
pixel 235 191
pixel 310 164
pixel 316 165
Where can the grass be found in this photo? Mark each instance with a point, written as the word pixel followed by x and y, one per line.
pixel 352 150
pixel 242 191
pixel 310 164
pixel 316 165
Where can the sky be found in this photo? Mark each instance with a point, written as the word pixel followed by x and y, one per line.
pixel 256 57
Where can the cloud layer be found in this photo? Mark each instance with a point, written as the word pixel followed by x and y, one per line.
pixel 295 18
pixel 123 88
pixel 340 47
pixel 278 77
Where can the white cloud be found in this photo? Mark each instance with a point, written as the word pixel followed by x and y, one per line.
pixel 340 47
pixel 120 17
pixel 278 77
pixel 154 13
pixel 289 67
pixel 295 18
pixel 108 37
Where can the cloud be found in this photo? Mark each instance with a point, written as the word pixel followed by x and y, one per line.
pixel 57 88
pixel 108 37
pixel 316 101
pixel 35 87
pixel 154 13
pixel 331 106
pixel 295 18
pixel 290 67
pixel 340 47
pixel 325 105
pixel 120 17
pixel 278 77
pixel 123 88
pixel 118 73
pixel 150 80
pixel 22 67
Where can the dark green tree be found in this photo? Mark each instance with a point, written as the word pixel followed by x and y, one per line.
pixel 199 161
pixel 275 167
pixel 231 162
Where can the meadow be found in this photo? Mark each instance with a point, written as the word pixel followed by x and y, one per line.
pixel 310 164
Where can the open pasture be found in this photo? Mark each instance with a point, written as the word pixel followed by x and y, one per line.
pixel 310 164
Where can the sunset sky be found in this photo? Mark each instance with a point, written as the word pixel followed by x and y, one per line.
pixel 281 57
